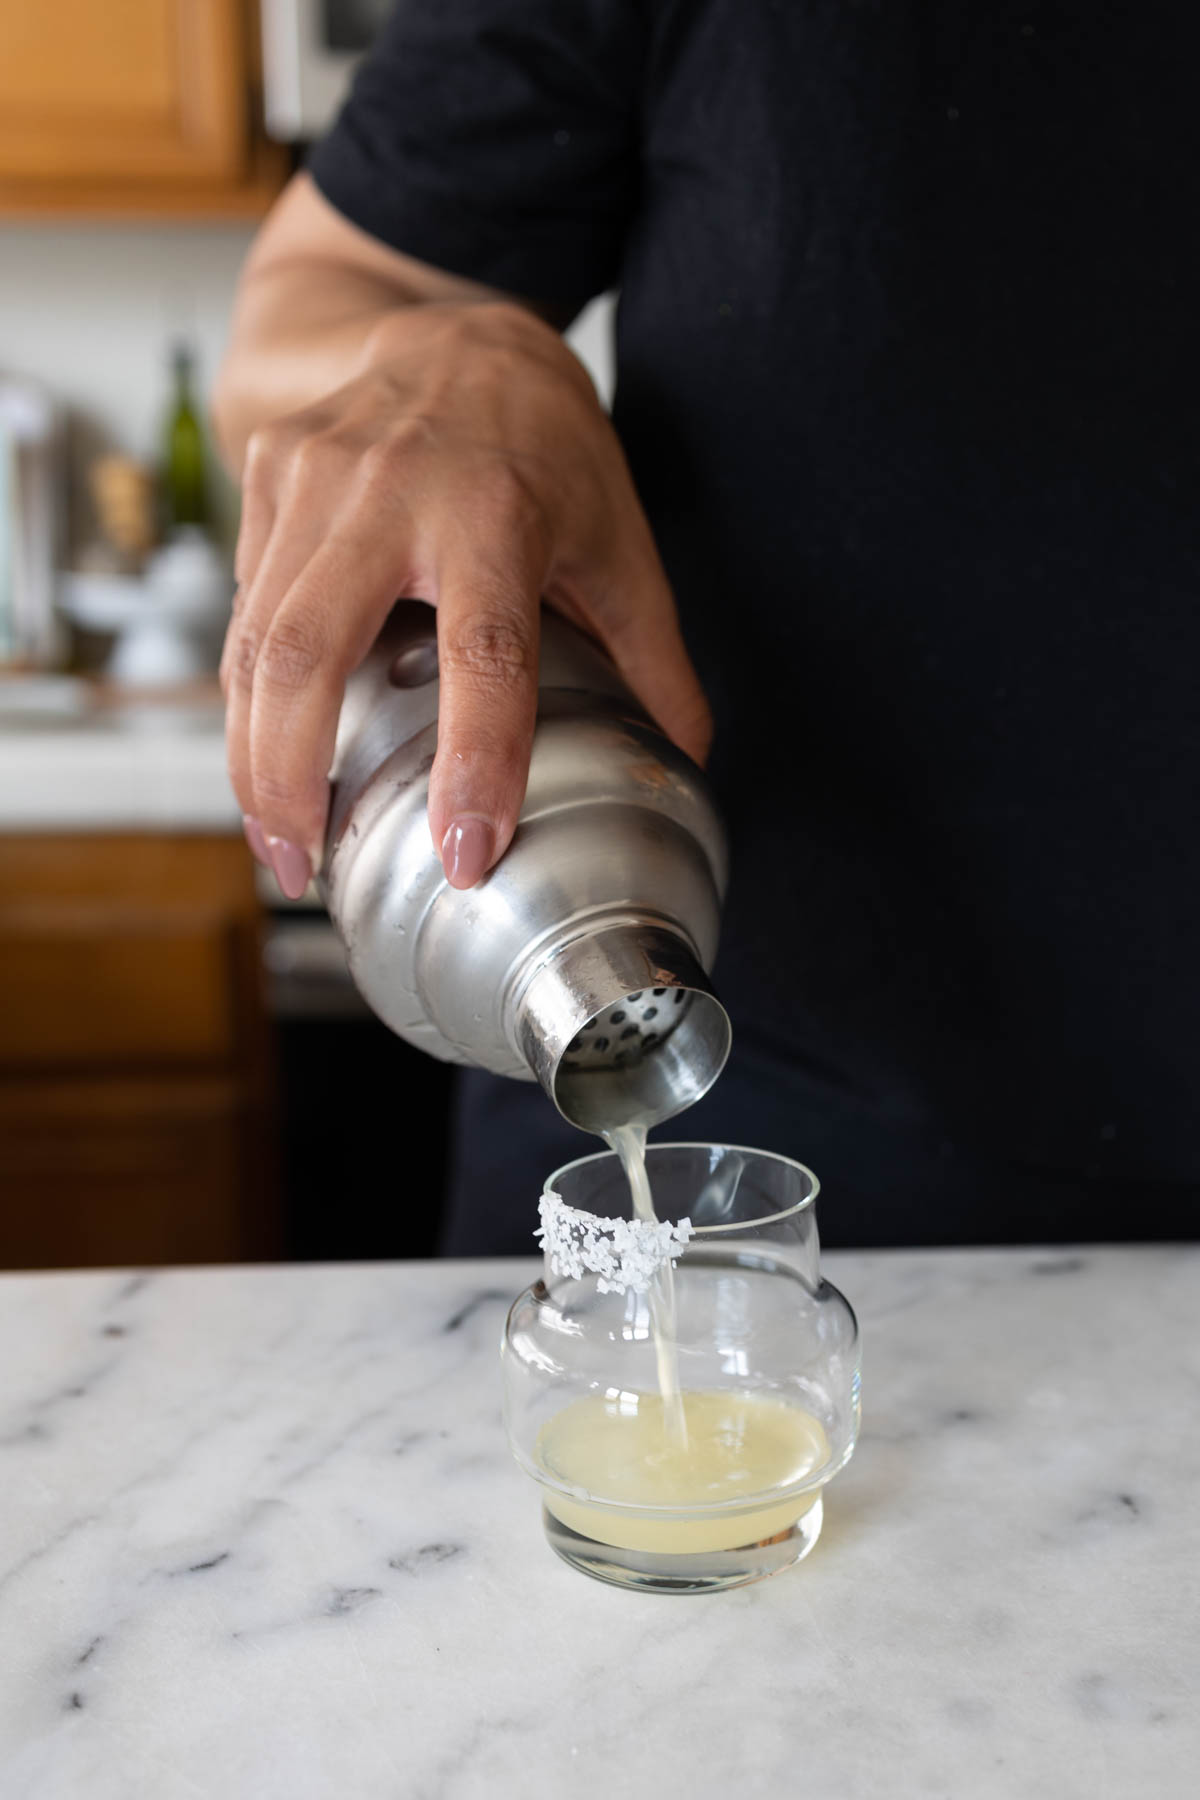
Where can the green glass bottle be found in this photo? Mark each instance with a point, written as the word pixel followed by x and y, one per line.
pixel 185 487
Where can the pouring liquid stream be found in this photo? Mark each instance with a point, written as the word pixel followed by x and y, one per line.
pixel 629 1143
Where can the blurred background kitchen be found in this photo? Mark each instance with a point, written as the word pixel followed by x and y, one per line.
pixel 185 1070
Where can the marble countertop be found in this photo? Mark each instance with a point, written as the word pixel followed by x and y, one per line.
pixel 260 1536
pixel 85 758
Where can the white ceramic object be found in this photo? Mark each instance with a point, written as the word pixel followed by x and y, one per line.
pixel 163 620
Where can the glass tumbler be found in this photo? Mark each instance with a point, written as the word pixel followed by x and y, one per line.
pixel 766 1358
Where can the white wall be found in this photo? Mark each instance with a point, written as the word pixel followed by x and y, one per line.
pixel 91 310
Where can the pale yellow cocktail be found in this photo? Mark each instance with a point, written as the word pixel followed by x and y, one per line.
pixel 733 1483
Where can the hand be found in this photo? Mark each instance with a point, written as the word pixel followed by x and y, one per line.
pixel 470 464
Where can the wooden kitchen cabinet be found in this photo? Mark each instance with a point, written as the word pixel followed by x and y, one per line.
pixel 132 106
pixel 136 1116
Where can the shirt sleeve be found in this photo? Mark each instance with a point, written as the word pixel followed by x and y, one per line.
pixel 496 139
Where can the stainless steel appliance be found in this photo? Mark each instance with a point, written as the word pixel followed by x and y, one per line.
pixel 30 481
pixel 334 1064
pixel 310 48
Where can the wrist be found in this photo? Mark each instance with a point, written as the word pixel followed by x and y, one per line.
pixel 506 329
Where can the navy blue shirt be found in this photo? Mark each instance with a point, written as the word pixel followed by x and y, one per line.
pixel 908 382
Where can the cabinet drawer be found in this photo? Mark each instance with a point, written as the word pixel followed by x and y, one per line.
pixel 138 1170
pixel 108 995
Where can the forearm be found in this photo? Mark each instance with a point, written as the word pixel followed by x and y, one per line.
pixel 316 300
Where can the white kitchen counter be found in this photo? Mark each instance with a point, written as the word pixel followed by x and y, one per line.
pixel 260 1536
pixel 90 763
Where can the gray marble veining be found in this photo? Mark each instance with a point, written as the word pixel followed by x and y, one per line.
pixel 260 1536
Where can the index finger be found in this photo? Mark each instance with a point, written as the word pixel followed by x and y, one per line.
pixel 321 630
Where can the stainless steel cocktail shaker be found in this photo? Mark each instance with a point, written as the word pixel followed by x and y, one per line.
pixel 581 958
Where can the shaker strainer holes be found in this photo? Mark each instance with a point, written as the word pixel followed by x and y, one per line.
pixel 622 1038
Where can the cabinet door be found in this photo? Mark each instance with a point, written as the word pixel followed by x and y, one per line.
pixel 143 90
pixel 107 1171
pixel 136 1065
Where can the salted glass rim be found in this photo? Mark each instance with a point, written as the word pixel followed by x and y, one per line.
pixel 775 1156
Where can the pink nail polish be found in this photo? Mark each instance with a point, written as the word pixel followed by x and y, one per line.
pixel 293 871
pixel 467 851
pixel 256 841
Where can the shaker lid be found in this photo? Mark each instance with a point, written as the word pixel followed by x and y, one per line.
pixel 621 1026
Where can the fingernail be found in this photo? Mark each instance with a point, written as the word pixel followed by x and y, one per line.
pixel 256 841
pixel 467 851
pixel 293 870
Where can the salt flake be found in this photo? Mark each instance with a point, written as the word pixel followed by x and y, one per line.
pixel 625 1254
